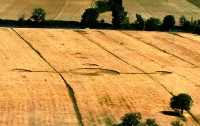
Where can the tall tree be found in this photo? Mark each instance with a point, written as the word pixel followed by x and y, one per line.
pixel 120 19
pixel 89 18
pixel 182 102
pixel 168 22
pixel 38 15
pixel 139 23
pixel 182 20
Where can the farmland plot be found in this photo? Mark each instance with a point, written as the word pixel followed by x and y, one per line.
pixel 70 10
pixel 31 91
pixel 115 72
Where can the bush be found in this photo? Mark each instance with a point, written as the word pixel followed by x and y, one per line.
pixel 152 24
pixel 150 122
pixel 38 15
pixel 132 119
pixel 176 123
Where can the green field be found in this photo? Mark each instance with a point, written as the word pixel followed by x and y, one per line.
pixel 195 2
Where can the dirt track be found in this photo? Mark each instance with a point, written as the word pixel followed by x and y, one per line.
pixel 110 72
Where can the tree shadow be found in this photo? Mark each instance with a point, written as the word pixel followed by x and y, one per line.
pixel 174 113
pixel 170 113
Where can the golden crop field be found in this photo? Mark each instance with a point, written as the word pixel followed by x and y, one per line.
pixel 72 10
pixel 59 77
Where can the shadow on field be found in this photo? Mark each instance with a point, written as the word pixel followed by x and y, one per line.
pixel 170 113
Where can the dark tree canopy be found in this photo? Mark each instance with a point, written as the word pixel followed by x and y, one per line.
pixel 168 22
pixel 176 123
pixel 150 122
pixel 181 101
pixel 120 19
pixel 89 18
pixel 186 26
pixel 152 24
pixel 196 26
pixel 103 5
pixel 131 119
pixel 139 23
pixel 38 15
pixel 182 20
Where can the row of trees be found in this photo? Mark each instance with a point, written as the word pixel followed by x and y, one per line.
pixel 37 19
pixel 134 119
pixel 181 101
pixel 120 19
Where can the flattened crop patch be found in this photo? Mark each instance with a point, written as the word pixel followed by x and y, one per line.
pixel 94 71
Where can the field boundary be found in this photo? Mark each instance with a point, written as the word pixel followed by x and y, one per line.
pixel 70 89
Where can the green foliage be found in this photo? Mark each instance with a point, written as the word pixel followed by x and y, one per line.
pixel 196 27
pixel 181 101
pixel 182 20
pixel 195 2
pixel 103 5
pixel 152 24
pixel 117 2
pixel 108 121
pixel 186 26
pixel 176 123
pixel 150 122
pixel 21 20
pixel 132 119
pixel 139 23
pixel 89 18
pixel 168 22
pixel 120 19
pixel 38 15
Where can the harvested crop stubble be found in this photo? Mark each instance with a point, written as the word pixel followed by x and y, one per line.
pixel 148 74
pixel 28 98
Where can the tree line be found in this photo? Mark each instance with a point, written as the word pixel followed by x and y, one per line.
pixel 120 20
pixel 37 19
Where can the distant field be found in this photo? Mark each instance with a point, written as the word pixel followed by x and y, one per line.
pixel 93 77
pixel 195 2
pixel 71 10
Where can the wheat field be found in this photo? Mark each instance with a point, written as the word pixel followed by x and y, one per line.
pixel 59 77
pixel 72 10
